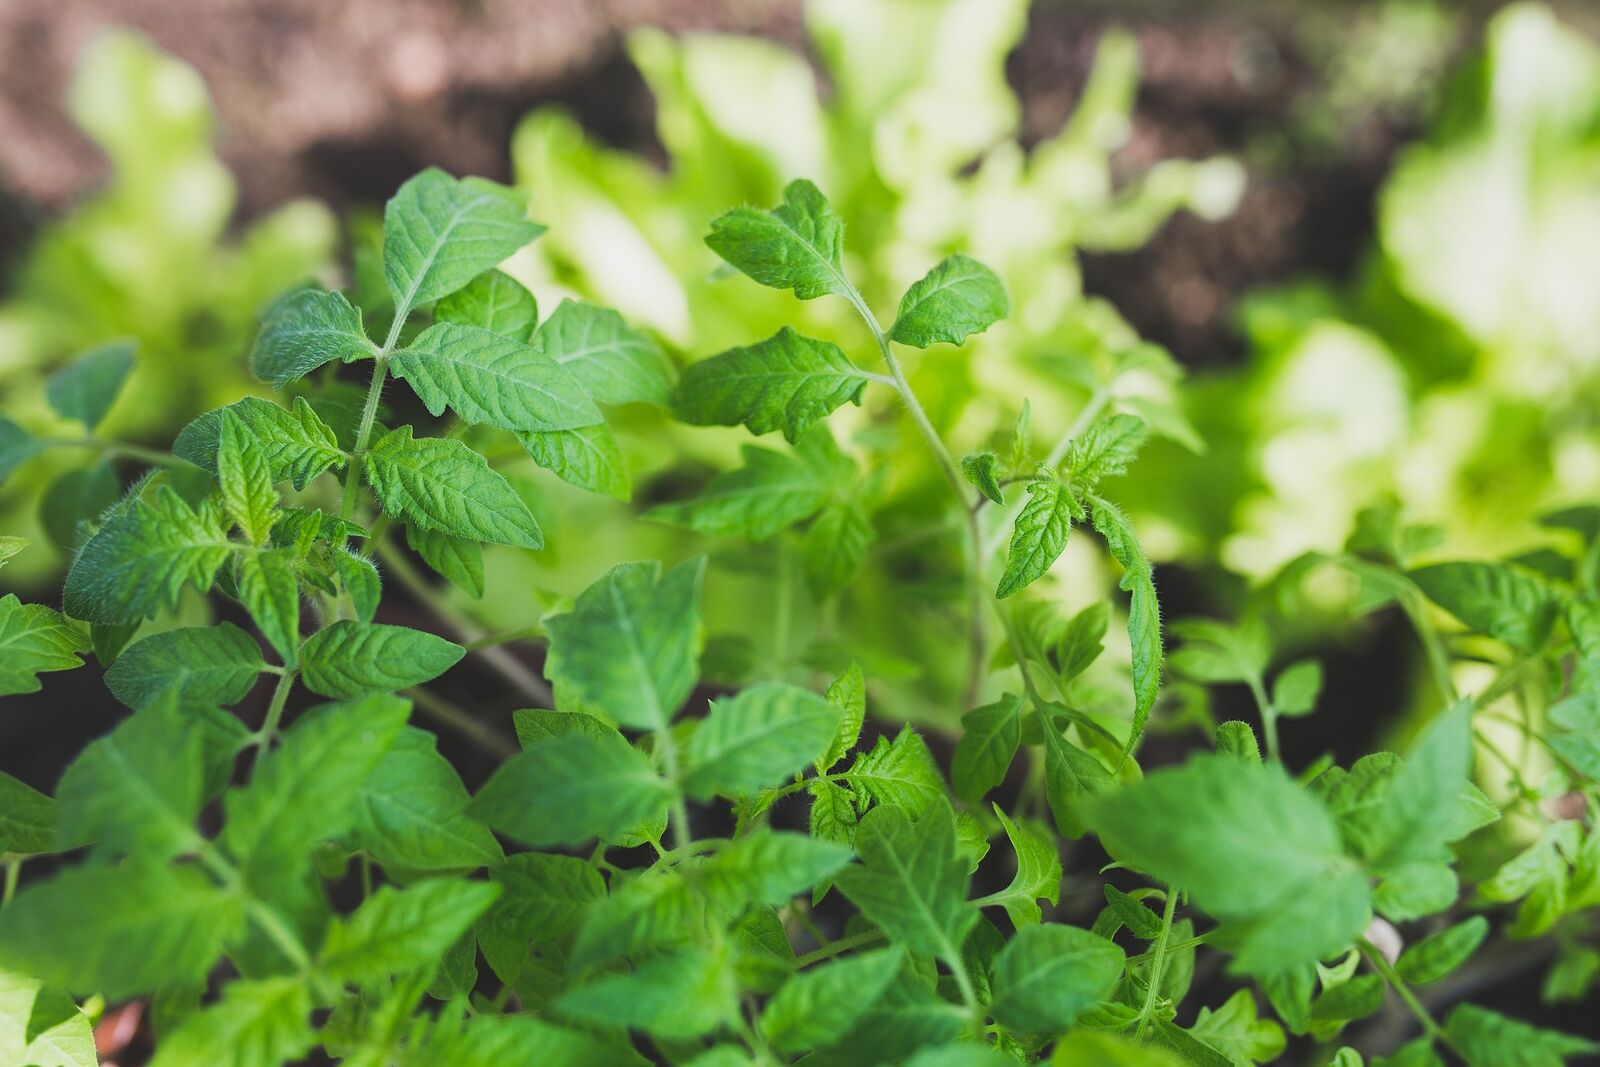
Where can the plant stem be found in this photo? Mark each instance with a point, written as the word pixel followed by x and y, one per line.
pixel 952 474
pixel 1269 717
pixel 117 448
pixel 1438 658
pixel 467 631
pixel 462 722
pixel 505 637
pixel 1381 964
pixel 678 814
pixel 269 726
pixel 1158 959
pixel 369 415
pixel 1091 410
pixel 13 873
pixel 844 944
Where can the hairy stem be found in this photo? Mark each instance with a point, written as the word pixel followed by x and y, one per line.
pixel 1158 959
pixel 844 944
pixel 369 416
pixel 269 726
pixel 1269 717
pixel 1381 964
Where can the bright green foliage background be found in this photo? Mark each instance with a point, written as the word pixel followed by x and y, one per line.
pixel 802 700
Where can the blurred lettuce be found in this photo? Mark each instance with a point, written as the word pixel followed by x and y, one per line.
pixel 149 257
pixel 1460 372
pixel 916 147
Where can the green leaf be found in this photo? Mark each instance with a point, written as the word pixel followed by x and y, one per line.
pixel 1254 848
pixel 1441 952
pixel 271 594
pixel 349 658
pixel 302 331
pixel 27 818
pixel 1413 890
pixel 85 389
pixel 1133 913
pixel 248 498
pixel 816 1007
pixel 1235 1030
pixel 359 577
pixel 521 1041
pixel 139 789
pixel 990 736
pixel 982 470
pixel 492 380
pixel 650 912
pixel 848 693
pixel 1144 612
pixel 909 1015
pixel 679 995
pixel 835 545
pixel 1353 999
pixel 757 739
pixel 1072 777
pixel 1295 690
pixel 34 638
pixel 42 1027
pixel 630 646
pixel 120 931
pixel 771 491
pixel 1093 1048
pixel 297 444
pixel 1411 815
pixel 1238 739
pixel 1503 602
pixel 305 790
pixel 1048 975
pixel 957 298
pixel 1105 449
pixel 411 813
pixel 1039 535
pixel 440 233
pixel 911 883
pixel 260 1023
pixel 787 382
pixel 1488 1039
pixel 1217 653
pixel 542 897
pixel 395 931
pixel 768 867
pixel 492 301
pixel 139 561
pixel 798 245
pixel 16 447
pixel 899 774
pixel 566 790
pixel 589 458
pixel 616 364
pixel 75 498
pixel 1038 874
pixel 456 559
pixel 441 484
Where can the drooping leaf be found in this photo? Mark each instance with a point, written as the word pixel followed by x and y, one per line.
pixel 492 301
pixel 1144 612
pixel 630 645
pixel 1048 975
pixel 456 559
pixel 302 331
pixel 120 931
pixel 139 561
pixel 1039 535
pixel 566 790
pixel 957 298
pixel 441 484
pixel 298 445
pixel 493 380
pixel 989 739
pixel 85 389
pixel 786 382
pixel 757 739
pixel 34 638
pixel 439 233
pixel 349 658
pixel 797 245
pixel 615 363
